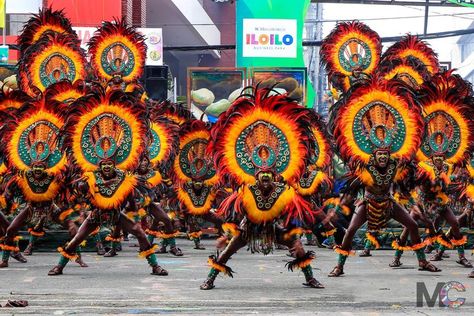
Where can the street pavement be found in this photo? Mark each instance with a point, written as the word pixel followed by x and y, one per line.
pixel 261 285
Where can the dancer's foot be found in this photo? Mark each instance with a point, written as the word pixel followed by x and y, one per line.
pixel 28 250
pixel 18 257
pixel 81 262
pixel 157 270
pixel 4 264
pixel 337 271
pixel 437 257
pixel 314 284
pixel 100 249
pixel 110 253
pixel 427 266
pixel 395 263
pixel 208 284
pixel 175 251
pixel 464 262
pixel 57 270
pixel 365 253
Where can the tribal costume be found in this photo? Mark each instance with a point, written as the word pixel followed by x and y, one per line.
pixel 33 150
pixel 411 62
pixel 161 149
pixel 350 53
pixel 314 182
pixel 105 134
pixel 195 178
pixel 447 140
pixel 377 131
pixel 260 145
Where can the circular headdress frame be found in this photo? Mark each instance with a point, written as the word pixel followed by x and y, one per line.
pixel 373 119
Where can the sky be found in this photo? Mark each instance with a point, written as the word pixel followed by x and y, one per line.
pixel 394 21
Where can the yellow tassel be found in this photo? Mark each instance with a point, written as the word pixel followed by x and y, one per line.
pixel 396 246
pixel 293 232
pixel 84 243
pixel 459 242
pixel 66 255
pixel 34 233
pixel 343 252
pixel 430 240
pixel 444 243
pixel 146 253
pixel 65 214
pixel 194 235
pixel 95 232
pixel 305 263
pixel 329 233
pixel 141 212
pixel 231 229
pixel 9 248
pixel 213 264
pixel 373 240
pixel 110 238
pixel 163 235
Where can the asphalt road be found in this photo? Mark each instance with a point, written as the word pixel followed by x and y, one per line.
pixel 261 285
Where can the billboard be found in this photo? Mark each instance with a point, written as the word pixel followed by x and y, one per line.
pixel 269 38
pixel 154 43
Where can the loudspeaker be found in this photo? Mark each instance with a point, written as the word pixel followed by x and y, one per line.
pixel 155 79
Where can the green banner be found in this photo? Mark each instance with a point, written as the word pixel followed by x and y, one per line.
pixel 270 34
pixel 464 3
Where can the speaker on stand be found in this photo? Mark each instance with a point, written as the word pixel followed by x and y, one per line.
pixel 155 81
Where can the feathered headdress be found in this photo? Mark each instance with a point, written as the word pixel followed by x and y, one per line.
pixel 193 163
pixel 408 70
pixel 12 100
pixel 106 126
pixel 66 92
pixel 261 132
pixel 319 157
pixel 351 48
pixel 54 58
pixel 117 51
pixel 176 112
pixel 45 21
pixel 374 116
pixel 163 140
pixel 412 46
pixel 449 127
pixel 33 136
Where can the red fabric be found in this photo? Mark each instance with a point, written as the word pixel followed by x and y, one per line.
pixel 88 12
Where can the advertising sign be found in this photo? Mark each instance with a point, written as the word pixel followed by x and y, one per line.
pixel 154 43
pixel 269 38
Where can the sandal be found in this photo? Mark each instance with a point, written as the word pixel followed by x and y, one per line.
pixel 176 251
pixel 436 257
pixel 81 263
pixel 464 262
pixel 337 271
pixel 18 257
pixel 57 270
pixel 365 253
pixel 16 303
pixel 471 275
pixel 208 284
pixel 427 266
pixel 313 283
pixel 395 263
pixel 158 270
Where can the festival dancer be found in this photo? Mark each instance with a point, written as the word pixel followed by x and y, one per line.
pixel 447 140
pixel 162 147
pixel 195 178
pixel 377 131
pixel 260 146
pixel 105 133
